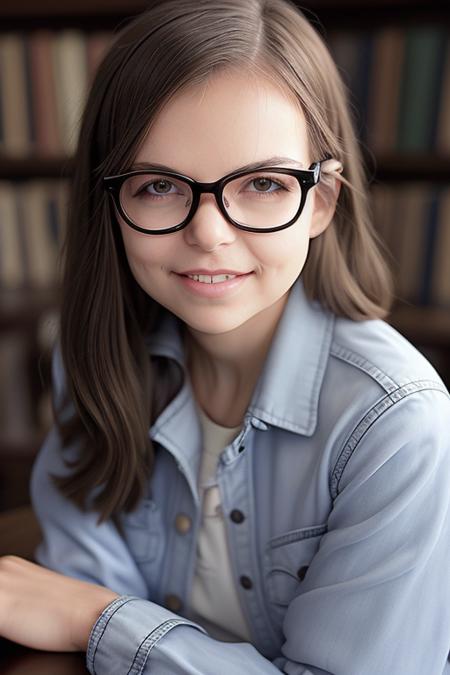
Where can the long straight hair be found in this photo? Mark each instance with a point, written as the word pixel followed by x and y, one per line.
pixel 114 390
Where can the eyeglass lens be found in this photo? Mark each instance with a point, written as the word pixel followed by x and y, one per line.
pixel 258 200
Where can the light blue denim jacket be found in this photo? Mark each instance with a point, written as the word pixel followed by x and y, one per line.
pixel 342 475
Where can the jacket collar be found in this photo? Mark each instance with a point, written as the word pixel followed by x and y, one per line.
pixel 287 392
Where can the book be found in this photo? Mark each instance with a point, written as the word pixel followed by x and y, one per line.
pixel 14 97
pixel 440 285
pixel 412 206
pixel 442 138
pixel 40 247
pixel 401 213
pixel 70 63
pixel 27 62
pixel 11 261
pixel 352 52
pixel 428 255
pixel 420 84
pixel 43 87
pixel 383 95
pixel 21 229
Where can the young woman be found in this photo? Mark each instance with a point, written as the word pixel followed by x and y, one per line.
pixel 249 467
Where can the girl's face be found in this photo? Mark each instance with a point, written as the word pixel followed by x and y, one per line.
pixel 205 133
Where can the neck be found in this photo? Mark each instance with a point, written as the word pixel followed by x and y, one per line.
pixel 224 368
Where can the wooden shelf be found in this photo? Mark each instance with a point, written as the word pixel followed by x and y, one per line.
pixel 87 15
pixel 427 326
pixel 373 8
pixel 21 450
pixel 398 167
pixel 395 167
pixel 14 168
pixel 27 15
pixel 22 308
pixel 12 8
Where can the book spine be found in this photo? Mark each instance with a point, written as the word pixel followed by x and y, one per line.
pixel 11 260
pixel 431 225
pixel 48 140
pixel 70 62
pixel 419 87
pixel 40 250
pixel 442 138
pixel 14 95
pixel 383 95
pixel 440 287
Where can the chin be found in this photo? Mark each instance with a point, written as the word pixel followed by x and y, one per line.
pixel 213 327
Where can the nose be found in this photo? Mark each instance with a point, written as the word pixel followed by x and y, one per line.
pixel 208 228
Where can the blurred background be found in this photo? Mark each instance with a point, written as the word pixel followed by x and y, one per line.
pixel 394 56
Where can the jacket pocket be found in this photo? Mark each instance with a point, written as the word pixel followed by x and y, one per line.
pixel 288 557
pixel 142 531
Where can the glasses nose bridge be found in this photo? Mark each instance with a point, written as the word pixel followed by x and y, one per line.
pixel 209 188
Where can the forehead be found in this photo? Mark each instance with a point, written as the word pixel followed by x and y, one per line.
pixel 209 130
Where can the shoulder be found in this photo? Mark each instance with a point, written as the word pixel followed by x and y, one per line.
pixel 380 353
pixel 380 393
pixel 374 363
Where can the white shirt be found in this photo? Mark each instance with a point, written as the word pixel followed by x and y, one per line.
pixel 214 602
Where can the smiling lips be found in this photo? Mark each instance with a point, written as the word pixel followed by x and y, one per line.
pixel 211 273
pixel 211 276
pixel 211 279
pixel 212 284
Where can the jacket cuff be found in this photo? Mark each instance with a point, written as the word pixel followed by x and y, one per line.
pixel 125 633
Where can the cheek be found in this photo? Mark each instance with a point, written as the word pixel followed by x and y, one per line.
pixel 143 251
pixel 285 250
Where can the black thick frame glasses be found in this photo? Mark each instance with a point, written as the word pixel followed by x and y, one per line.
pixel 307 179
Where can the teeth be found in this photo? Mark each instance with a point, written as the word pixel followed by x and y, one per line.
pixel 207 279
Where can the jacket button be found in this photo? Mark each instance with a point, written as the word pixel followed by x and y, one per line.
pixel 302 571
pixel 173 603
pixel 183 523
pixel 237 516
pixel 246 582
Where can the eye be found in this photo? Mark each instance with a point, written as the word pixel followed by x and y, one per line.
pixel 262 184
pixel 161 186
pixel 266 184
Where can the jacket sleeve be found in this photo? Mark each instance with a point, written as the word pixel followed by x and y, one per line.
pixel 376 597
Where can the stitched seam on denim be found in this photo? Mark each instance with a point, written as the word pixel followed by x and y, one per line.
pixel 100 627
pixel 297 536
pixel 355 359
pixel 150 641
pixel 373 414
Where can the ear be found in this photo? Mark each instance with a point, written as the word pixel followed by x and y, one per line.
pixel 325 197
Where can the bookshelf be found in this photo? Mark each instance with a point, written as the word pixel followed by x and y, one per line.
pixel 24 309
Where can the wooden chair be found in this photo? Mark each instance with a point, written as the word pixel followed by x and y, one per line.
pixel 19 532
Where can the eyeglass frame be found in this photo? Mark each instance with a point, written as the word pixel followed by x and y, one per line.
pixel 307 179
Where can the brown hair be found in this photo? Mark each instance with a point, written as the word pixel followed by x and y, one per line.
pixel 111 381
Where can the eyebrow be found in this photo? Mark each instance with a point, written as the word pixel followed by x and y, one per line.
pixel 271 161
